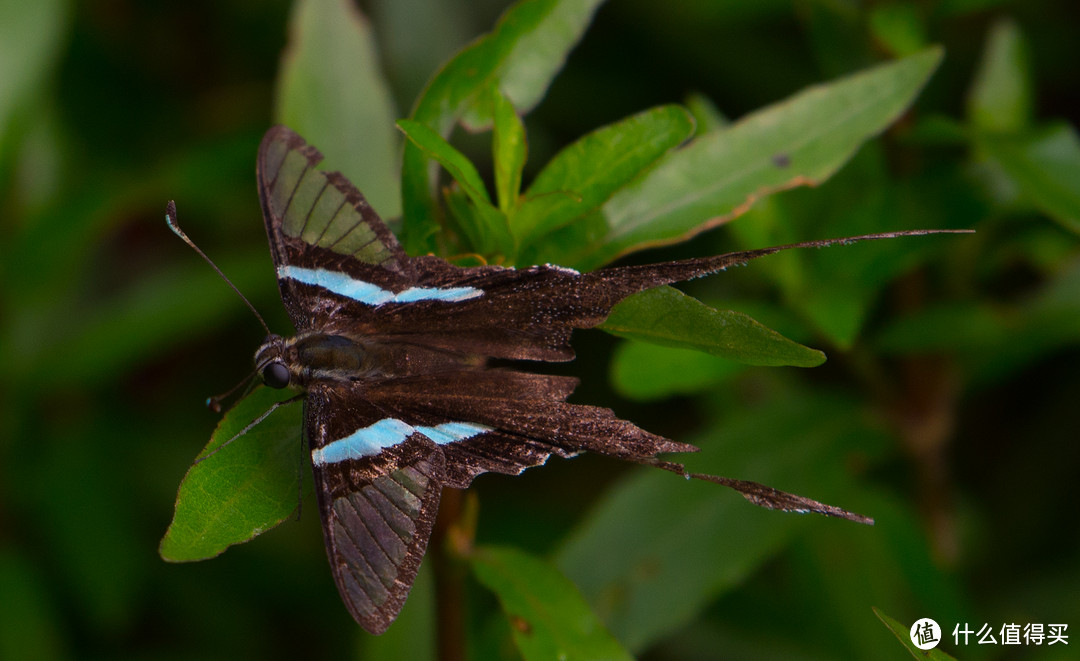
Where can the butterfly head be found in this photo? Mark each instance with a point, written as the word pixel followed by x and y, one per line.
pixel 272 364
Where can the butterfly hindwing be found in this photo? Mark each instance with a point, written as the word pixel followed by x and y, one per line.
pixel 377 510
pixel 526 416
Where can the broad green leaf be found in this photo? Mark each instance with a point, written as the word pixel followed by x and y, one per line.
pixel 668 317
pixel 534 39
pixel 548 616
pixel 799 142
pixel 332 92
pixel 520 56
pixel 656 549
pixel 244 490
pixel 649 372
pixel 1001 97
pixel 1046 167
pixel 587 173
pixel 486 226
pixel 510 150
pixel 903 634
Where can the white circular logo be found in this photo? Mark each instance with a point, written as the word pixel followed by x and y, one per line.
pixel 925 634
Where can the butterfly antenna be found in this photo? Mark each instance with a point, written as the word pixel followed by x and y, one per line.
pixel 170 218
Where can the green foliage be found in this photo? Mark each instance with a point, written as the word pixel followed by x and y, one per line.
pixel 901 633
pixel 548 616
pixel 519 57
pixel 331 91
pixel 667 317
pixel 248 486
pixel 946 409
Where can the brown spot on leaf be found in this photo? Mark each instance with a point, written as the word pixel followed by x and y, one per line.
pixel 520 624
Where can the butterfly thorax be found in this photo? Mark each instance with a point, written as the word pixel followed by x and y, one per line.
pixel 318 356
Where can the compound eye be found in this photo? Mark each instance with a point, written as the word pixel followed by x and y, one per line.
pixel 276 375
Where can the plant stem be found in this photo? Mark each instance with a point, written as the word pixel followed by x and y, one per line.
pixel 449 579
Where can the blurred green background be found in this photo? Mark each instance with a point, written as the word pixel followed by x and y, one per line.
pixel 949 401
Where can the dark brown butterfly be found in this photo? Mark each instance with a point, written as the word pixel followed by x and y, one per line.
pixel 392 355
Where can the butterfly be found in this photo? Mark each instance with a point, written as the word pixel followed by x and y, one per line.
pixel 393 356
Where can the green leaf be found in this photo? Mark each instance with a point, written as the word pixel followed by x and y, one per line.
pixel 647 372
pixel 902 634
pixel 548 616
pixel 585 174
pixel 456 163
pixel 479 225
pixel 510 150
pixel 707 117
pixel 656 549
pixel 245 489
pixel 799 142
pixel 485 226
pixel 1001 96
pixel 331 91
pixel 900 27
pixel 532 41
pixel 1046 167
pixel 30 43
pixel 520 56
pixel 668 317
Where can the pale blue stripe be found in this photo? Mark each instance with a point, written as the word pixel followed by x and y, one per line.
pixel 365 442
pixel 370 294
pixel 388 432
pixel 448 432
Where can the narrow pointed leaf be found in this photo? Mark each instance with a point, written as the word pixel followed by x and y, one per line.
pixel 247 488
pixel 668 317
pixel 510 150
pixel 1001 97
pixel 487 229
pixel 332 92
pixel 903 634
pixel 456 163
pixel 548 616
pixel 798 142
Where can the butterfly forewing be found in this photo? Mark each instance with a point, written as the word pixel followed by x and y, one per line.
pixel 317 219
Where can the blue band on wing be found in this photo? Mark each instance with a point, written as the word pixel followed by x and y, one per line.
pixel 372 440
pixel 370 294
